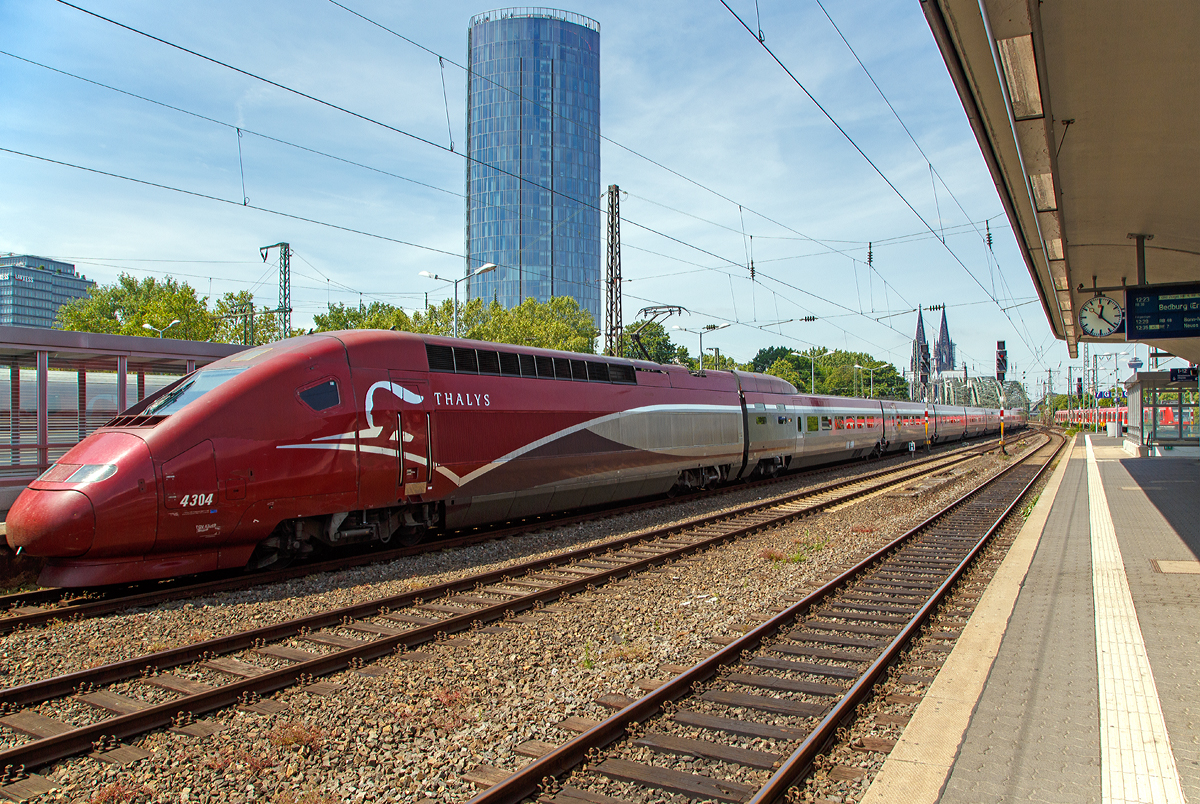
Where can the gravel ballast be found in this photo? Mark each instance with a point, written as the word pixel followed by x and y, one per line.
pixel 413 732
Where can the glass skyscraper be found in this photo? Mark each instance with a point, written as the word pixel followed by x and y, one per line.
pixel 533 138
pixel 33 288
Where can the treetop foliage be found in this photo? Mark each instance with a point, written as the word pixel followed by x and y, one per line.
pixel 767 357
pixel 835 373
pixel 559 323
pixel 123 307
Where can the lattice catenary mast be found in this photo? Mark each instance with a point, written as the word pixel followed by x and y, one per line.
pixel 285 284
pixel 612 323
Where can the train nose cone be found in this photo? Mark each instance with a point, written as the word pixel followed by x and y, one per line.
pixel 51 523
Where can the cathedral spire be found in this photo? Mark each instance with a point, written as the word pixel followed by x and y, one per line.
pixel 944 348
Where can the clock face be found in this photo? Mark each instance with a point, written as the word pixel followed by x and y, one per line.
pixel 1100 316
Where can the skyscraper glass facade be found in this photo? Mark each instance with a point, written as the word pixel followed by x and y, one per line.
pixel 33 288
pixel 533 135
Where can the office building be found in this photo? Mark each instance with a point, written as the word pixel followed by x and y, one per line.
pixel 533 138
pixel 33 288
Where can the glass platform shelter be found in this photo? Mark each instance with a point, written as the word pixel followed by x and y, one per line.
pixel 533 138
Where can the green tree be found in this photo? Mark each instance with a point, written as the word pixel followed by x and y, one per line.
pixel 559 323
pixel 377 315
pixel 239 320
pixel 785 369
pixel 721 362
pixel 123 307
pixel 835 374
pixel 767 356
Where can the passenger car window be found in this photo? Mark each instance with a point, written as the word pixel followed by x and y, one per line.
pixel 812 424
pixel 826 423
pixel 760 420
pixel 322 396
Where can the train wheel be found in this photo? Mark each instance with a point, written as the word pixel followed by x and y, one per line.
pixel 277 551
pixel 406 536
pixel 269 557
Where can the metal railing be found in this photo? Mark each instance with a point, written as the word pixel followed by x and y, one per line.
pixel 535 12
pixel 62 386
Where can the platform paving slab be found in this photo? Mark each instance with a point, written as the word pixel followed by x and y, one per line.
pixel 1155 506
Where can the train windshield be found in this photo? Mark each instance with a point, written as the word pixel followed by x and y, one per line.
pixel 190 390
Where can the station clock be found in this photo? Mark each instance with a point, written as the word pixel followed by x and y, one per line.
pixel 1100 316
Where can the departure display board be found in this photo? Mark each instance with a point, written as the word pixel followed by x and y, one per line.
pixel 1165 311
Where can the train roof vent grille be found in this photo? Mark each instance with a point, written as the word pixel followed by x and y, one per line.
pixel 441 358
pixel 510 364
pixel 489 363
pixel 622 374
pixel 136 421
pixel 528 366
pixel 465 361
pixel 597 372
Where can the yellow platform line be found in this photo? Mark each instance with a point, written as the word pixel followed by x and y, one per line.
pixel 1136 763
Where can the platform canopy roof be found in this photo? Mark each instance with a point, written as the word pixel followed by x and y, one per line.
pixel 1088 115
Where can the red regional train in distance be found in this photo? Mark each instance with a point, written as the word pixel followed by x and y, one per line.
pixel 1104 415
pixel 342 438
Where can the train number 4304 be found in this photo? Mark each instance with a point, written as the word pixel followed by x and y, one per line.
pixel 195 499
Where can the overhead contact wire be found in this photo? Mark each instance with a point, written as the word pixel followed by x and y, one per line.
pixel 875 167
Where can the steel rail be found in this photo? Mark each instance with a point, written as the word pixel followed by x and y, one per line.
pixel 801 760
pixel 116 601
pixel 526 782
pixel 42 751
pixel 38 691
pixel 97 608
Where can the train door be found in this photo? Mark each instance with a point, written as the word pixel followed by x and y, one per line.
pixel 413 443
pixel 891 427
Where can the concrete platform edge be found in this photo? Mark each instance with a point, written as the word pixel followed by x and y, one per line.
pixel 916 770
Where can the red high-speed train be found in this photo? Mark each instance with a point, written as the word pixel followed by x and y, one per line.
pixel 347 437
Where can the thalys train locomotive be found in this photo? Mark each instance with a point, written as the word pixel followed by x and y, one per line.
pixel 341 438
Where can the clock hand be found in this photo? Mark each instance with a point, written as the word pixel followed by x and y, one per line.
pixel 1100 315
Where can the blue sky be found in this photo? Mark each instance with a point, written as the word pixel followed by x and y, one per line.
pixel 682 83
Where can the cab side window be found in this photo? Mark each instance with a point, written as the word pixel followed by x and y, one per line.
pixel 322 396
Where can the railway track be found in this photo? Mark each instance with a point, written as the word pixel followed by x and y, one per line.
pixel 792 681
pixel 37 607
pixel 141 695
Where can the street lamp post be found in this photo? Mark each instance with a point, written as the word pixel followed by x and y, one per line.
pixel 872 370
pixel 812 367
pixel 160 331
pixel 483 269
pixel 700 332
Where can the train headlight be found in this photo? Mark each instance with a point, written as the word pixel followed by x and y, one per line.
pixel 92 472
